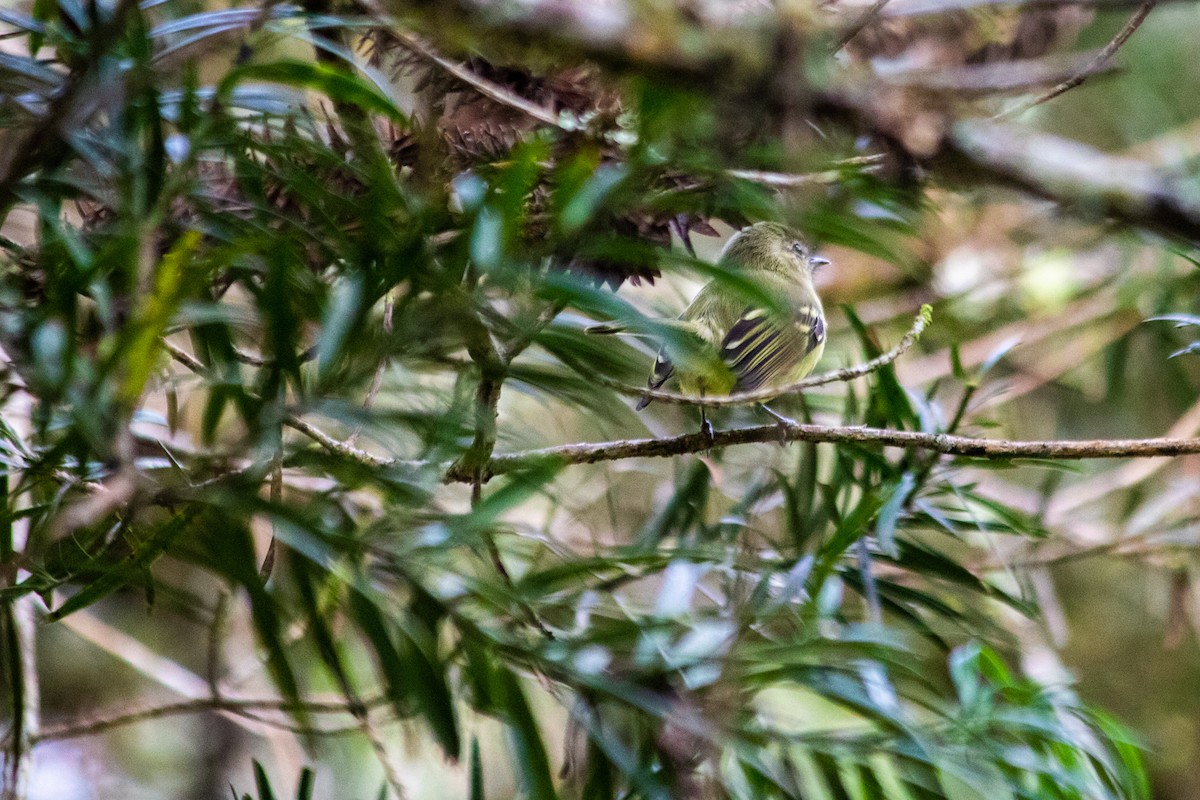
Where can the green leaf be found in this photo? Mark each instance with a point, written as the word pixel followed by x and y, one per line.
pixel 262 783
pixel 411 674
pixel 533 766
pixel 476 771
pixel 336 84
pixel 304 790
pixel 119 575
pixel 889 514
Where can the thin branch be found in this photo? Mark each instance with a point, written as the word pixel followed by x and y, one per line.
pixel 184 357
pixel 788 180
pixel 1095 65
pixel 493 91
pixel 100 724
pixel 915 8
pixel 335 446
pixel 308 354
pixel 523 338
pixel 763 395
pixel 341 448
pixel 946 444
pixel 857 26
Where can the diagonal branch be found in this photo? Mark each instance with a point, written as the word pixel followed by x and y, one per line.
pixel 100 724
pixel 857 26
pixel 492 91
pixel 1094 65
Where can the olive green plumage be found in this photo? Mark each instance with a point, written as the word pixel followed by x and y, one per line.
pixel 737 342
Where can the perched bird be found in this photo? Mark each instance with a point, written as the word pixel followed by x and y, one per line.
pixel 729 340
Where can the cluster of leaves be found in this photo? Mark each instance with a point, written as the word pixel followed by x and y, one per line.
pixel 287 261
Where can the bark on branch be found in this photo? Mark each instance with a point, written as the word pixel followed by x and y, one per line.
pixel 946 444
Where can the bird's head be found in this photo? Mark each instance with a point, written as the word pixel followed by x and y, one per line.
pixel 772 247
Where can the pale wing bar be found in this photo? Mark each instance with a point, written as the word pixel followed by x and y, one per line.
pixel 759 348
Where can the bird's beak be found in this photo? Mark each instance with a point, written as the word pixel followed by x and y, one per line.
pixel 816 262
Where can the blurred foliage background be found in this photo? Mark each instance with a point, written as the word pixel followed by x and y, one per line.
pixel 293 301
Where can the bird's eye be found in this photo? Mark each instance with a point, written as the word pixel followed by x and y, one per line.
pixel 798 249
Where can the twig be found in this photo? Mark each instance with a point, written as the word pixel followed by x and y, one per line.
pixel 341 448
pixel 763 395
pixel 474 462
pixel 517 345
pixel 308 354
pixel 490 90
pixel 863 21
pixel 184 357
pixel 24 679
pixel 100 724
pixel 916 8
pixel 1009 77
pixel 788 180
pixel 1101 58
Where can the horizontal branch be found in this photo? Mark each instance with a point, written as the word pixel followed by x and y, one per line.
pixel 770 393
pixel 946 444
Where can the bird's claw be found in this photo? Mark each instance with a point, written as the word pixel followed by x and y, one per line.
pixel 782 424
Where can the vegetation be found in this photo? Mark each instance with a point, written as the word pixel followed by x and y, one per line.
pixel 300 423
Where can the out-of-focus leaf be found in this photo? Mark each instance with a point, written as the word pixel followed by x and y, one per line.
pixel 889 514
pixel 476 771
pixel 304 791
pixel 531 761
pixel 119 575
pixel 889 403
pixel 262 782
pixel 338 85
pixel 997 353
pixel 411 674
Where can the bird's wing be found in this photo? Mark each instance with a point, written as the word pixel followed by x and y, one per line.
pixel 761 348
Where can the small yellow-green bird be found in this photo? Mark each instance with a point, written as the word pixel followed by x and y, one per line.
pixel 744 344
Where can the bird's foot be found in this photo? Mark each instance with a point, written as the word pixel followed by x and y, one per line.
pixel 706 429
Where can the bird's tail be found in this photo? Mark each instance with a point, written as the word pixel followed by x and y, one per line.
pixel 645 401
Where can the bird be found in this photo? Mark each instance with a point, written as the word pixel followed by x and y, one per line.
pixel 728 340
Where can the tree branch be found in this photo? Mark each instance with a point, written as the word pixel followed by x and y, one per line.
pixel 1078 176
pixel 688 50
pixel 946 444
